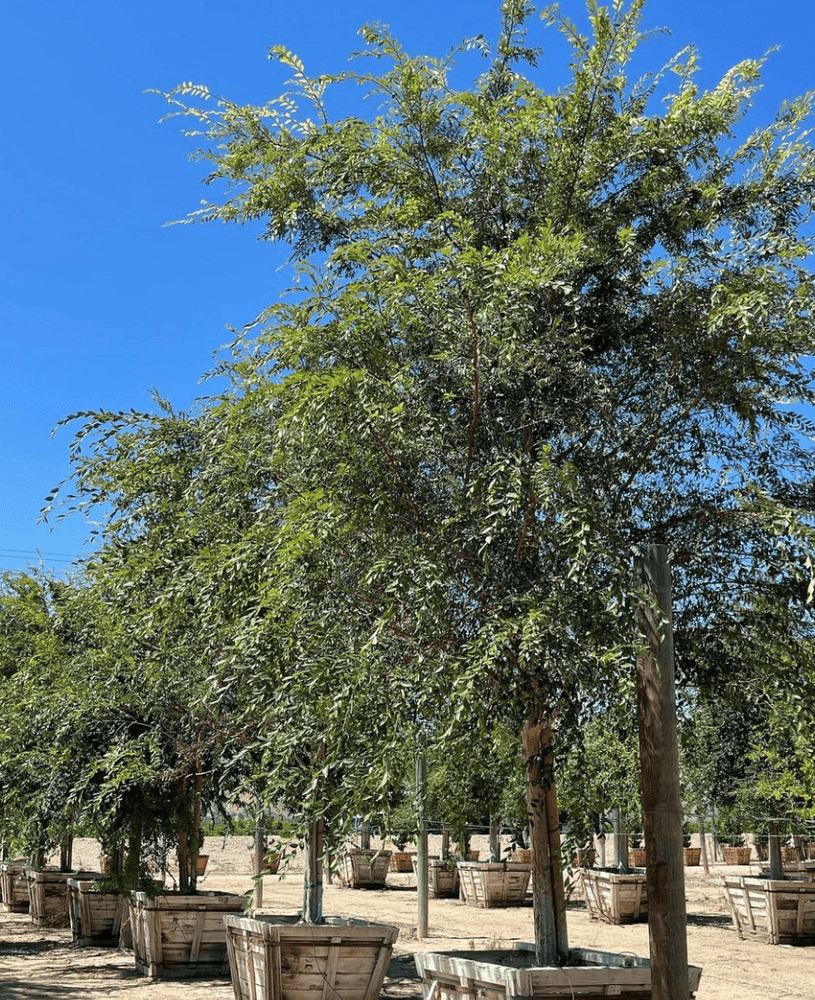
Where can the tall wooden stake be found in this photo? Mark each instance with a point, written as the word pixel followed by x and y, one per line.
pixel 661 803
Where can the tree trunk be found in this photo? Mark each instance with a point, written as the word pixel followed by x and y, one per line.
pixel 776 864
pixel 661 802
pixel 799 847
pixel 130 868
pixel 198 786
pixel 703 843
pixel 548 896
pixel 313 876
pixel 445 842
pixel 421 845
pixel 65 853
pixel 259 859
pixel 495 840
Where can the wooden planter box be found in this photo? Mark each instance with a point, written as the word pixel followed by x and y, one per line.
pixel 96 917
pixel 277 958
pixel 584 858
pixel 692 855
pixel 442 878
pixel 402 861
pixel 100 919
pixel 494 883
pixel 736 855
pixel 504 975
pixel 179 937
pixel 802 871
pixel 636 857
pixel 521 856
pixel 778 911
pixel 615 898
pixel 48 895
pixel 364 869
pixel 14 886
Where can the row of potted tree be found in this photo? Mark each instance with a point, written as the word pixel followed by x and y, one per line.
pixel 519 353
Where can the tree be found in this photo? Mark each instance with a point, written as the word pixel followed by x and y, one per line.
pixel 45 639
pixel 534 332
pixel 164 515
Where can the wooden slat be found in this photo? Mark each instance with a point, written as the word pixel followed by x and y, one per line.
pixel 154 937
pixel 330 975
pixel 195 947
pixel 251 969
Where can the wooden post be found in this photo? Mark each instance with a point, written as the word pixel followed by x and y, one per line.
pixel 659 770
pixel 421 847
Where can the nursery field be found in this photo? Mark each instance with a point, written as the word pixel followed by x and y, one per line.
pixel 41 964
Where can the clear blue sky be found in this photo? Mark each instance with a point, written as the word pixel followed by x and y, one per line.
pixel 99 300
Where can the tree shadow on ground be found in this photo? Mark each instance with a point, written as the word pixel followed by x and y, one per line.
pixel 708 920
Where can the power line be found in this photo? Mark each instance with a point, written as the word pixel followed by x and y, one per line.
pixel 42 552
pixel 41 556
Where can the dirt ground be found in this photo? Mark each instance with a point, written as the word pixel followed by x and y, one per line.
pixel 42 964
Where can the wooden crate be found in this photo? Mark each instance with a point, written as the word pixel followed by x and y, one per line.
pixel 277 958
pixel 804 870
pixel 48 895
pixel 736 855
pixel 14 886
pixel 401 861
pixel 636 857
pixel 442 878
pixel 584 857
pixel 96 917
pixel 521 855
pixel 364 869
pixel 503 975
pixel 181 936
pixel 613 897
pixel 692 856
pixel 494 883
pixel 780 911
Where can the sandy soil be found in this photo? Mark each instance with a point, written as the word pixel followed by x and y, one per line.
pixel 42 964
